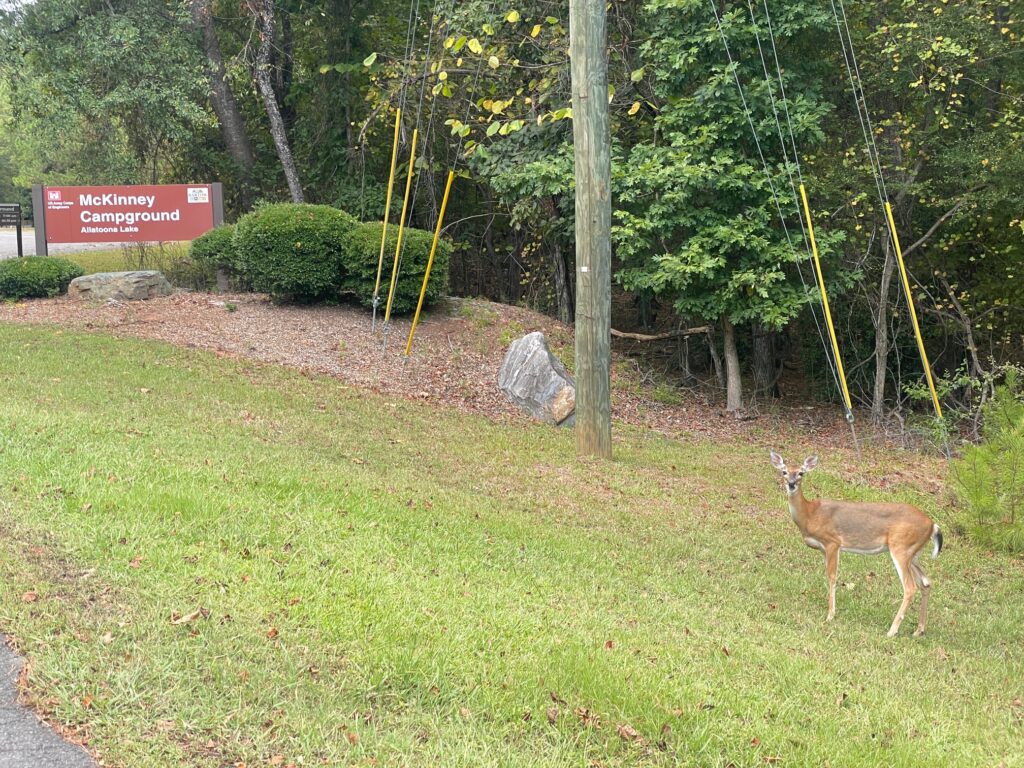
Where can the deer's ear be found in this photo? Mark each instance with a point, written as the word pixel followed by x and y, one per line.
pixel 777 461
pixel 810 463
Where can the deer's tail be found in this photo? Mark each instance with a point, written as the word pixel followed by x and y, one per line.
pixel 936 540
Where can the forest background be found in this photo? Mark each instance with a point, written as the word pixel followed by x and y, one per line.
pixel 295 100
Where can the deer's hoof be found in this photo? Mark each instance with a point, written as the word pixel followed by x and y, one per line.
pixel 919 631
pixel 892 632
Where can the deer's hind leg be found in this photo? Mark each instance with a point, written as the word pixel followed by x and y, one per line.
pixel 925 586
pixel 903 561
pixel 832 572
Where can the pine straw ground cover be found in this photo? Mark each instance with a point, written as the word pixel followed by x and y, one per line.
pixel 216 562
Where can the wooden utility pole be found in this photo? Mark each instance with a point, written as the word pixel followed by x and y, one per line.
pixel 592 142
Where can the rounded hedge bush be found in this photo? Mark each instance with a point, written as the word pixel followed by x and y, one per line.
pixel 215 249
pixel 36 277
pixel 360 273
pixel 294 252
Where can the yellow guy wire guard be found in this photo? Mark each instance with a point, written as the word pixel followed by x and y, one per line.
pixel 430 260
pixel 913 312
pixel 401 225
pixel 387 206
pixel 824 301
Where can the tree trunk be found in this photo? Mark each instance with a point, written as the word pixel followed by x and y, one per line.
pixel 562 287
pixel 733 383
pixel 716 360
pixel 766 372
pixel 881 321
pixel 264 10
pixel 224 103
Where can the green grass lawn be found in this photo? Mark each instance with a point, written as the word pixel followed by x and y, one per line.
pixel 210 562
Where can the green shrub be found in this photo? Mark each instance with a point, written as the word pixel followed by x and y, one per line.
pixel 989 476
pixel 36 277
pixel 292 251
pixel 364 255
pixel 215 248
pixel 209 254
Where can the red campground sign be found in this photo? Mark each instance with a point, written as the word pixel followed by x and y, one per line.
pixel 144 213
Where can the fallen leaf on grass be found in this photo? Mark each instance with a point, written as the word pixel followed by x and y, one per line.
pixel 353 738
pixel 272 633
pixel 627 732
pixel 552 714
pixel 941 653
pixel 198 613
pixel 107 638
pixel 29 597
pixel 136 561
pixel 587 717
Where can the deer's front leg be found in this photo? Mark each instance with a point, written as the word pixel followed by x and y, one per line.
pixel 832 572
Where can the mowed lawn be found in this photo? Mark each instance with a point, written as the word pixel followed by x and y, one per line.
pixel 210 562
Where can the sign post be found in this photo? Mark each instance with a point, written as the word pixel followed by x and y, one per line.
pixel 126 214
pixel 39 220
pixel 10 216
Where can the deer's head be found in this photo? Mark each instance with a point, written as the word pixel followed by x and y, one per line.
pixel 793 477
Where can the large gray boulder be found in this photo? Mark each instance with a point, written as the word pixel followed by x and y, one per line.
pixel 536 381
pixel 120 286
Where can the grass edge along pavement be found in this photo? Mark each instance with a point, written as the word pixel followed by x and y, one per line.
pixel 212 561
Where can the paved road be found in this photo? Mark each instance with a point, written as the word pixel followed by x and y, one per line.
pixel 24 741
pixel 9 244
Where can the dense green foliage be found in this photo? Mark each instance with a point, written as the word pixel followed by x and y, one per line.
pixel 36 277
pixel 293 252
pixel 216 248
pixel 363 257
pixel 989 476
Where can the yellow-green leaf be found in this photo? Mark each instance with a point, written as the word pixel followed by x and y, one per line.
pixel 493 128
pixel 474 46
pixel 368 61
pixel 512 16
pixel 635 108
pixel 535 31
pixel 493 62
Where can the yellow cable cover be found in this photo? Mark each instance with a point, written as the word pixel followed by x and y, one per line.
pixel 824 302
pixel 387 206
pixel 401 224
pixel 913 312
pixel 430 260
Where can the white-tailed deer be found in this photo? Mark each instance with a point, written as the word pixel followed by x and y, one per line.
pixel 866 529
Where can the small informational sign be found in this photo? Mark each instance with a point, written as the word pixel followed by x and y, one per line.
pixel 10 216
pixel 127 214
